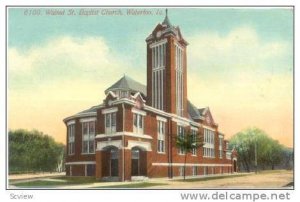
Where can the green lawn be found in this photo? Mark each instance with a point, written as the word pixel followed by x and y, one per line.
pixel 40 183
pixel 134 185
pixel 45 183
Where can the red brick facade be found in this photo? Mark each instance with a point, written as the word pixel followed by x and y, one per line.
pixel 122 152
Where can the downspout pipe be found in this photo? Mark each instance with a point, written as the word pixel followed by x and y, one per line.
pixel 170 149
pixel 123 140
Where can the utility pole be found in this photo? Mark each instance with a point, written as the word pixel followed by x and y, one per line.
pixel 255 150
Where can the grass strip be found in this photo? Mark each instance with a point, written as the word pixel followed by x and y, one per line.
pixel 210 178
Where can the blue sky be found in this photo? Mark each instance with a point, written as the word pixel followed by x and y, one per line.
pixel 240 59
pixel 272 24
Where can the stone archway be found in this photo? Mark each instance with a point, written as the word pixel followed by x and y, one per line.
pixel 109 162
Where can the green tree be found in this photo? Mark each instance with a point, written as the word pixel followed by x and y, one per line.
pixel 269 151
pixel 288 158
pixel 188 142
pixel 33 151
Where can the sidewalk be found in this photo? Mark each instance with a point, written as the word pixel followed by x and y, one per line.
pixel 168 181
pixel 278 179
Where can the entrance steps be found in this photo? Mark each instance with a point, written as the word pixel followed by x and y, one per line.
pixel 139 178
pixel 110 179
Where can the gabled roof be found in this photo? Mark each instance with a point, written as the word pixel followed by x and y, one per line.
pixel 201 110
pixel 193 111
pixel 127 83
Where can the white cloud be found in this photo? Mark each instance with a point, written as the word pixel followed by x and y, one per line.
pixel 59 78
pixel 244 79
pixel 88 59
pixel 238 65
pixel 242 48
pixel 80 53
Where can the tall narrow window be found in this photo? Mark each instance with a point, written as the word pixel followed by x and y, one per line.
pixel 138 123
pixel 209 143
pixel 179 80
pixel 160 136
pixel 194 137
pixel 158 78
pixel 220 147
pixel 110 123
pixel 88 137
pixel 180 133
pixel 71 139
pixel 181 168
pixel 194 171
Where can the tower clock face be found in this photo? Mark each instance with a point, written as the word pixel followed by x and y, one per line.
pixel 158 34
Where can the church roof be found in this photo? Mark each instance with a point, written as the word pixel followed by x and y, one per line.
pixel 201 110
pixel 193 111
pixel 127 83
pixel 92 109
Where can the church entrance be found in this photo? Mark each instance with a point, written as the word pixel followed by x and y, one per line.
pixel 114 162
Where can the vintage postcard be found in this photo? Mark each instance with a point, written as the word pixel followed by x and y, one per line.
pixel 150 98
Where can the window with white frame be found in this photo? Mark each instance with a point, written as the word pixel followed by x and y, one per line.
pixel 228 155
pixel 194 138
pixel 205 172
pixel 209 143
pixel 158 74
pixel 161 128
pixel 181 134
pixel 212 170
pixel 71 139
pixel 88 137
pixel 179 79
pixel 110 123
pixel 181 170
pixel 194 170
pixel 220 147
pixel 121 93
pixel 138 123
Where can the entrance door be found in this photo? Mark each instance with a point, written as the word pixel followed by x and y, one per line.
pixel 114 162
pixel 135 162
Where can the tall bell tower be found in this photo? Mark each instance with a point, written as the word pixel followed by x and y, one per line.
pixel 167 69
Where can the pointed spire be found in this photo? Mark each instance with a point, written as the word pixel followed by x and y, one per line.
pixel 166 20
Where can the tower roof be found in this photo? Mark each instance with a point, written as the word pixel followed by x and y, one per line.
pixel 127 83
pixel 166 21
pixel 166 28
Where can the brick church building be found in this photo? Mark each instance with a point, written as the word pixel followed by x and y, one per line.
pixel 132 134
